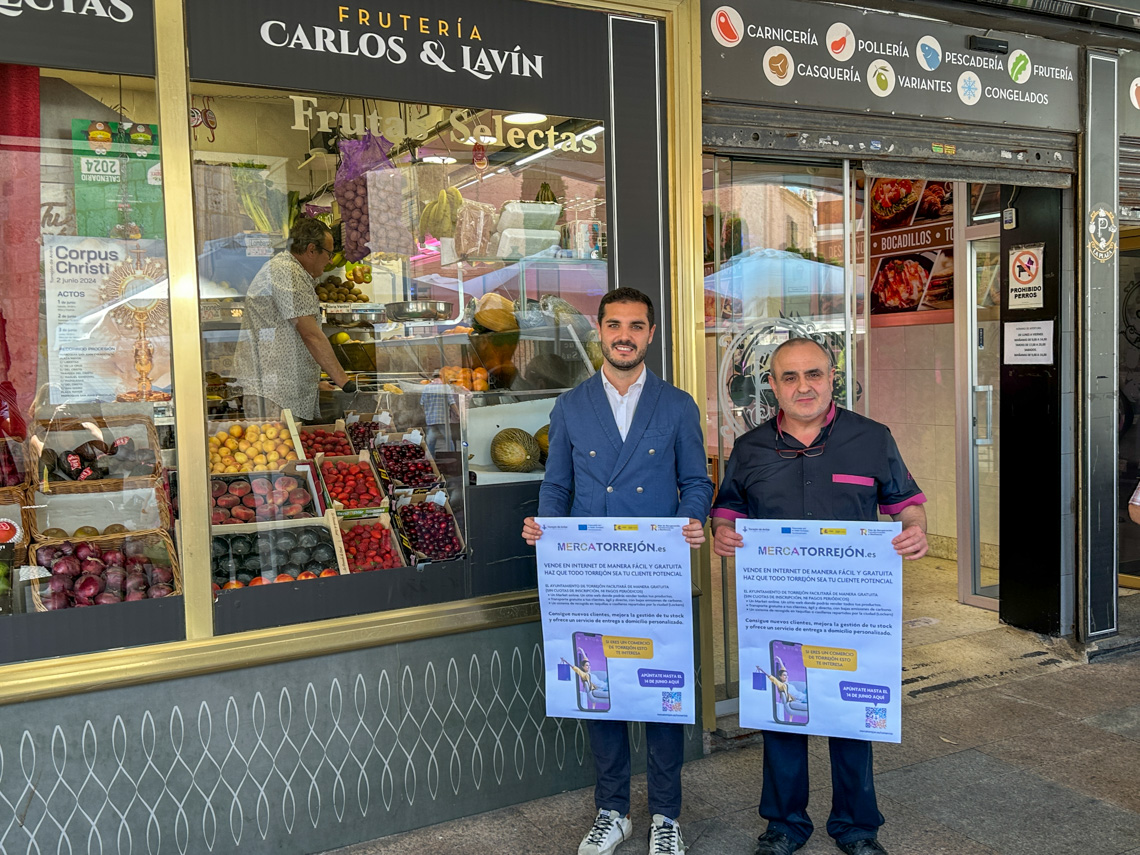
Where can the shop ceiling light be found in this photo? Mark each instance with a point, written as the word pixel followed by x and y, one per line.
pixel 438 158
pixel 525 118
pixel 482 139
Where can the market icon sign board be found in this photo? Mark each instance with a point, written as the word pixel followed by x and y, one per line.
pixel 832 57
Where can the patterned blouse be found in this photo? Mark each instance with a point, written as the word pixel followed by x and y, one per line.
pixel 271 359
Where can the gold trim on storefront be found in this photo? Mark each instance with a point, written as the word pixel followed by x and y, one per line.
pixel 36 680
pixel 204 653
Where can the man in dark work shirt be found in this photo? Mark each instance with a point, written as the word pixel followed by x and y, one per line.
pixel 814 461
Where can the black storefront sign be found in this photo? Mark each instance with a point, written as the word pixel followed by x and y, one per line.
pixel 113 36
pixel 1128 102
pixel 833 57
pixel 509 54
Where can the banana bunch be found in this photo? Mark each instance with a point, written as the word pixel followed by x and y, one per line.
pixel 545 194
pixel 337 260
pixel 439 217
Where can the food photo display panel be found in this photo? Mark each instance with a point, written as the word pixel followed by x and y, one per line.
pixel 911 262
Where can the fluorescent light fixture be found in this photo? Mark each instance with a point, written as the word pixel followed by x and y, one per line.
pixel 992 216
pixel 597 129
pixel 524 118
pixel 482 139
pixel 438 158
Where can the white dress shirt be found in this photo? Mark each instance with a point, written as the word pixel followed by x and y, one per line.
pixel 624 406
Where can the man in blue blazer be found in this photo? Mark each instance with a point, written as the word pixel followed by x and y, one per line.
pixel 627 444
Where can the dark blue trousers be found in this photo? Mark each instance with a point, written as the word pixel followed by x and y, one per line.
pixel 784 800
pixel 665 744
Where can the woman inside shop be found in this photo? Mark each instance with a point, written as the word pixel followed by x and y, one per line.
pixel 282 348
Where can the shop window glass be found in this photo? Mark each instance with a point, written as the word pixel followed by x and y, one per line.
pixel 87 417
pixel 459 256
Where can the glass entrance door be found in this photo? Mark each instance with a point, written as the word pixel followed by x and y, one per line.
pixel 777 265
pixel 979 490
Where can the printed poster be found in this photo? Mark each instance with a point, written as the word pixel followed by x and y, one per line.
pixel 118 180
pixel 108 319
pixel 819 623
pixel 1026 278
pixel 617 626
pixel 912 250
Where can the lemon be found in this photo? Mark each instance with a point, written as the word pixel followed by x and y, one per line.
pixel 341 338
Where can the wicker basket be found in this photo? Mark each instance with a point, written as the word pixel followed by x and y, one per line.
pixel 35 499
pixel 15 494
pixel 40 436
pixel 113 541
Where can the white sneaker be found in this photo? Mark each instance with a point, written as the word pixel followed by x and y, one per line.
pixel 665 837
pixel 610 831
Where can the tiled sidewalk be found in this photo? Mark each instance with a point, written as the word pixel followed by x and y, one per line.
pixel 1040 764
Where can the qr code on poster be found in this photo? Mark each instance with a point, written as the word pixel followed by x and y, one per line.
pixel 876 718
pixel 671 702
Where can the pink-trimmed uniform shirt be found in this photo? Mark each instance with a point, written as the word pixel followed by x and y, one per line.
pixel 859 474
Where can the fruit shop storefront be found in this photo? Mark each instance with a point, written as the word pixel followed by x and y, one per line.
pixel 229 630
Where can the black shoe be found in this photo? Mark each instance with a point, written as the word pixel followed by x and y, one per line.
pixel 775 843
pixel 863 846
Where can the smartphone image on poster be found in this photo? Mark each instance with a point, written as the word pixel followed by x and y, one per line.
pixel 788 680
pixel 591 673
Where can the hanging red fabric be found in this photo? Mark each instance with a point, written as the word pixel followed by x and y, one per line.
pixel 20 244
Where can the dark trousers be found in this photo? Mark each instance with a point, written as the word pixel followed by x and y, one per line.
pixel 784 800
pixel 665 745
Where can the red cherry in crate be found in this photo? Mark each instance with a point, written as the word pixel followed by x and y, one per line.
pixel 363 434
pixel 430 529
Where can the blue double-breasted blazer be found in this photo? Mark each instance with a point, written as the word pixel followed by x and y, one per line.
pixel 660 470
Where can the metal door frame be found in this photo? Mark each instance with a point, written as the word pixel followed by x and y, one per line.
pixel 968 495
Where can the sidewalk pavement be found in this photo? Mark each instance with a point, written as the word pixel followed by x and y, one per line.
pixel 1038 764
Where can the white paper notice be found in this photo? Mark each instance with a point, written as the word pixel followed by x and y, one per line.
pixel 97 293
pixel 617 619
pixel 1026 280
pixel 1029 343
pixel 819 622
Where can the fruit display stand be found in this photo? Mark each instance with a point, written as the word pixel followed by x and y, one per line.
pixel 411 539
pixel 392 478
pixel 57 437
pixel 290 493
pixel 159 552
pixel 138 509
pixel 359 563
pixel 373 506
pixel 279 604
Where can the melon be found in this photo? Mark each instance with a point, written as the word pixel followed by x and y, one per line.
pixel 515 450
pixel 496 313
pixel 543 440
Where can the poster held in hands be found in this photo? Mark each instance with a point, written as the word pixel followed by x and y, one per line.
pixel 617 630
pixel 819 623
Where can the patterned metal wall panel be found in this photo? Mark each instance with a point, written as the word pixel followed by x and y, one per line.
pixel 291 758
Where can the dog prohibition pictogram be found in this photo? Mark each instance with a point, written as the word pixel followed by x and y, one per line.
pixel 1025 268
